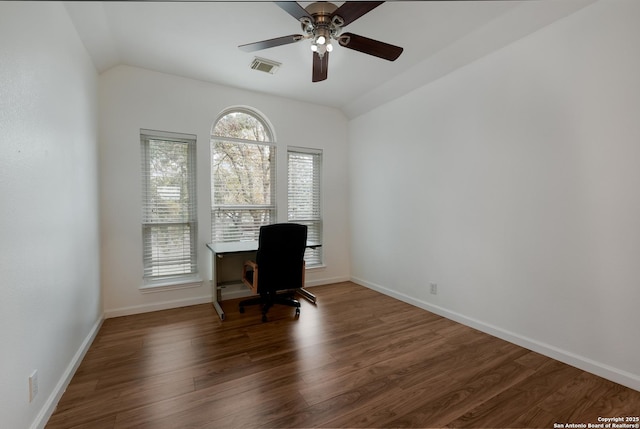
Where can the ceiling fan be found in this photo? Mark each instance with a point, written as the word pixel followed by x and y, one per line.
pixel 322 22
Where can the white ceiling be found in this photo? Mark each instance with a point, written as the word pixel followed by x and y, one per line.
pixel 200 40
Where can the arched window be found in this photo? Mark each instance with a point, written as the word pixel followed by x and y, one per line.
pixel 243 156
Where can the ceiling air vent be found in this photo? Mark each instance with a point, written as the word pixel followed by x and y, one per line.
pixel 264 65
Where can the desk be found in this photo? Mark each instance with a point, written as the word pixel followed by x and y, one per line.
pixel 241 251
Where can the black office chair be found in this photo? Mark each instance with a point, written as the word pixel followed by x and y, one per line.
pixel 279 266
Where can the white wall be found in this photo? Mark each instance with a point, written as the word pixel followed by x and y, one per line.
pixel 49 251
pixel 133 98
pixel 513 184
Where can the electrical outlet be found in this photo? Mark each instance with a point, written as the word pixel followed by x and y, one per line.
pixel 33 385
pixel 434 288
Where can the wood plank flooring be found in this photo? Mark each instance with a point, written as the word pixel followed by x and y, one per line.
pixel 357 359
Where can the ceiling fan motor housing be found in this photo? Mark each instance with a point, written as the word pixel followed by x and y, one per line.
pixel 323 23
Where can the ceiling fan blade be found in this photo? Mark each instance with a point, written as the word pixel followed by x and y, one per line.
pixel 270 43
pixel 294 9
pixel 370 46
pixel 320 67
pixel 352 10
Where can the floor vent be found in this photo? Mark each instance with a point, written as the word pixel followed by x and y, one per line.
pixel 264 65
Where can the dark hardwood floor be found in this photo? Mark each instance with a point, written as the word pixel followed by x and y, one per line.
pixel 357 359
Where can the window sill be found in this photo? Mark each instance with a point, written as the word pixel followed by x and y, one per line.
pixel 316 267
pixel 171 284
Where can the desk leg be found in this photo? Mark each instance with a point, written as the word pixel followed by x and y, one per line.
pixel 218 310
pixel 307 295
pixel 215 290
pixel 216 298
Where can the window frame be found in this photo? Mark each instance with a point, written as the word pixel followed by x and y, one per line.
pixel 241 232
pixel 313 216
pixel 157 273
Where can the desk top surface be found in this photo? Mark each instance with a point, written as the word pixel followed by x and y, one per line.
pixel 243 246
pixel 238 246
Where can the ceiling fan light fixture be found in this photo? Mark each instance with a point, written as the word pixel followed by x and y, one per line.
pixel 321 42
pixel 321 49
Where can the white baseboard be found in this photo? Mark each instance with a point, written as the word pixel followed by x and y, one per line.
pixel 326 281
pixel 237 290
pixel 52 402
pixel 146 308
pixel 232 293
pixel 605 371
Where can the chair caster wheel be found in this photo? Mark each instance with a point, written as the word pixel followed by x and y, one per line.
pixel 264 317
pixel 297 312
pixel 241 309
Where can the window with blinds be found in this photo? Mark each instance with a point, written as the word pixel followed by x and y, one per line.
pixel 169 211
pixel 243 157
pixel 304 202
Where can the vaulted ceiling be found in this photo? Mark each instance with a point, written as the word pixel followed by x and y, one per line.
pixel 199 40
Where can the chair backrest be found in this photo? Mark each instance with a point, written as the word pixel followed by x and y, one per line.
pixel 280 256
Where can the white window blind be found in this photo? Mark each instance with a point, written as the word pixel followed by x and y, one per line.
pixel 304 199
pixel 169 210
pixel 242 176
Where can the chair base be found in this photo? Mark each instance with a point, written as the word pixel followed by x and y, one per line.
pixel 267 301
